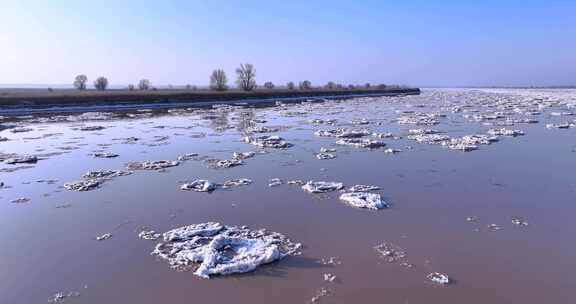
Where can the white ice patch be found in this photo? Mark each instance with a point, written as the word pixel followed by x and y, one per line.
pixel 361 143
pixel 152 165
pixel 199 185
pixel 364 200
pixel 363 188
pixel 322 187
pixel 213 249
pixel 267 142
pixel 439 278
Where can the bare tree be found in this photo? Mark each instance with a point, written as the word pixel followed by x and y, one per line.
pixel 305 85
pixel 218 80
pixel 367 85
pixel 382 86
pixel 351 86
pixel 130 87
pixel 331 85
pixel 101 83
pixel 290 85
pixel 80 82
pixel 144 84
pixel 269 85
pixel 246 77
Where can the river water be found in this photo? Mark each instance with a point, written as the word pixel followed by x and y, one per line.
pixel 449 211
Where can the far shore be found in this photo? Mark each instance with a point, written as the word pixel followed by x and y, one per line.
pixel 26 101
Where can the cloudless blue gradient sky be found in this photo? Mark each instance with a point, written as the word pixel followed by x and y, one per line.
pixel 422 43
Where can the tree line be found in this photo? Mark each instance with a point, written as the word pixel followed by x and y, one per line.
pixel 245 80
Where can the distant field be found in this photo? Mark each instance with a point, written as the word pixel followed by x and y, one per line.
pixel 44 97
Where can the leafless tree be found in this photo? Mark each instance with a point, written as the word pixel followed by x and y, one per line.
pixel 218 80
pixel 269 85
pixel 144 84
pixel 130 87
pixel 382 86
pixel 367 85
pixel 331 85
pixel 101 83
pixel 80 82
pixel 290 85
pixel 305 85
pixel 246 77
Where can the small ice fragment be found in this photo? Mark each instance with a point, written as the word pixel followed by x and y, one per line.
pixel 322 187
pixel 322 156
pixel 364 200
pixel 199 185
pixel 274 182
pixel 329 277
pixel 363 188
pixel 519 221
pixel 439 278
pixel 149 235
pixel 104 237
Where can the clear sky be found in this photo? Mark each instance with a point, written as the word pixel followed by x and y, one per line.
pixel 422 43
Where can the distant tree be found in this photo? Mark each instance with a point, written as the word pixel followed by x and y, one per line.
pixel 80 82
pixel 381 86
pixel 305 85
pixel 246 75
pixel 218 80
pixel 50 90
pixel 101 83
pixel 339 86
pixel 290 85
pixel 188 87
pixel 331 85
pixel 367 85
pixel 351 86
pixel 269 85
pixel 131 87
pixel 144 84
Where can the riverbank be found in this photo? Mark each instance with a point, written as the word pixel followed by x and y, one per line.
pixel 19 102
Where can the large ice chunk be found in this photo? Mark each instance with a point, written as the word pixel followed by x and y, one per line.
pixel 213 249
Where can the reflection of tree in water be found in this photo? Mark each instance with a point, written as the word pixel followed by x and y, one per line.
pixel 245 120
pixel 218 120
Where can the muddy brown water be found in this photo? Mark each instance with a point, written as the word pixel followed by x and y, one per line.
pixel 431 190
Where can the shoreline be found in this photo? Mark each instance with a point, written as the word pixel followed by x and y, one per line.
pixel 31 102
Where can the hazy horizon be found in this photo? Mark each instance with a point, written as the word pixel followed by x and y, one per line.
pixel 441 44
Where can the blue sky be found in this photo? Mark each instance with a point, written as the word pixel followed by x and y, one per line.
pixel 422 43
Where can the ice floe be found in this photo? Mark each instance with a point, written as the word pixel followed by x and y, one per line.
pixel 83 185
pixel 152 165
pixel 361 143
pixel 365 200
pixel 322 186
pixel 439 278
pixel 268 142
pixel 199 185
pixel 342 133
pixel 214 249
pixel 105 155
